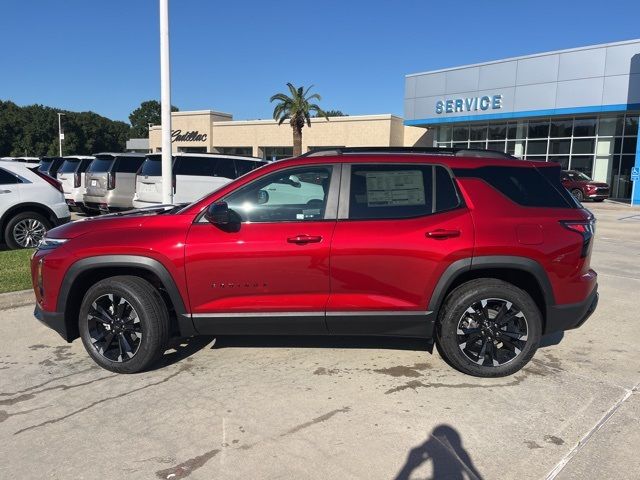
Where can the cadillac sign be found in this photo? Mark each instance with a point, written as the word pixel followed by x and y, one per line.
pixel 192 136
pixel 469 104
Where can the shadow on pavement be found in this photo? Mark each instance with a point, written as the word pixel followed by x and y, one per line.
pixel 181 348
pixel 443 448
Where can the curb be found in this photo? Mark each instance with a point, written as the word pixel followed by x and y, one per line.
pixel 21 298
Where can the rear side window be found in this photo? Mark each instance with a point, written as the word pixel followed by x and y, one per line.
pixel 525 186
pixel 45 165
pixel 69 166
pixel 390 191
pixel 446 195
pixel 225 168
pixel 129 164
pixel 7 178
pixel 200 166
pixel 245 166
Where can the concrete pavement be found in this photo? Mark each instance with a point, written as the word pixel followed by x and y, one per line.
pixel 285 407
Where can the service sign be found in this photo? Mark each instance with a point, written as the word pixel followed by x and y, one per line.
pixel 469 104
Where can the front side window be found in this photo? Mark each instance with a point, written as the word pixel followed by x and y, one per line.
pixel 292 195
pixel 390 191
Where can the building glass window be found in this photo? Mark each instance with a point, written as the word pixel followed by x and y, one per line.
pixel 560 147
pixel 584 127
pixel 497 131
pixel 610 127
pixel 517 130
pixel 631 125
pixel 444 134
pixel 561 128
pixel 537 147
pixel 276 153
pixel 583 145
pixel 539 130
pixel 582 163
pixel 478 133
pixel 460 134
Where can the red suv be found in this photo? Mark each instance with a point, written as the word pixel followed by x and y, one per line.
pixel 582 187
pixel 447 246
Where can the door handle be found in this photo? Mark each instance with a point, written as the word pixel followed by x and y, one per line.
pixel 442 233
pixel 303 239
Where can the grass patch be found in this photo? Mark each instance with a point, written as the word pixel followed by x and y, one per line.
pixel 15 273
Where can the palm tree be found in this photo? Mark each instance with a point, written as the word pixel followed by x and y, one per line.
pixel 297 108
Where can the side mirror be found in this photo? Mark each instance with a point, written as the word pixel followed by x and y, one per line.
pixel 218 213
pixel 263 197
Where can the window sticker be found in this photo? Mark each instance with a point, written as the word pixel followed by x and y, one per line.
pixel 394 189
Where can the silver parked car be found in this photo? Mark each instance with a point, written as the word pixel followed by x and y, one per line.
pixel 110 181
pixel 71 176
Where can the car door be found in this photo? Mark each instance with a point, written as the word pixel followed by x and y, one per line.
pixel 9 190
pixel 270 272
pixel 399 227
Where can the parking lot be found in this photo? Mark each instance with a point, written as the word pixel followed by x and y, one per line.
pixel 290 407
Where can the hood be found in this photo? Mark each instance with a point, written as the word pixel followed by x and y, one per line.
pixel 129 219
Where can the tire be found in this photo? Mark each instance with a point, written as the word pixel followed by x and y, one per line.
pixel 506 349
pixel 144 324
pixel 577 193
pixel 598 200
pixel 25 230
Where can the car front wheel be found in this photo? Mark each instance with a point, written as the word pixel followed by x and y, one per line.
pixel 124 324
pixel 488 328
pixel 577 193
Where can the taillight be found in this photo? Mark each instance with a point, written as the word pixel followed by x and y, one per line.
pixel 51 181
pixel 585 228
pixel 173 183
pixel 111 180
pixel 76 179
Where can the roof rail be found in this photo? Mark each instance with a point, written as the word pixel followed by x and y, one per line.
pixel 455 152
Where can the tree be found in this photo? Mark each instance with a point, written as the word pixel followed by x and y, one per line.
pixel 148 112
pixel 33 131
pixel 296 108
pixel 333 113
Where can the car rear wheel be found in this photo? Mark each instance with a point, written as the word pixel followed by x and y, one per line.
pixel 124 324
pixel 488 328
pixel 577 193
pixel 25 230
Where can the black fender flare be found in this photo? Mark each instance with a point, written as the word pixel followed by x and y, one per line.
pixel 464 265
pixel 152 265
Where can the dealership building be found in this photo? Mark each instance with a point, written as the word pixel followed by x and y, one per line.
pixel 578 107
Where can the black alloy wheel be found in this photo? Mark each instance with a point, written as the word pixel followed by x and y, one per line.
pixel 114 328
pixel 492 332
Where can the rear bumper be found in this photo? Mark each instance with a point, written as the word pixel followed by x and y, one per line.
pixel 566 317
pixel 53 320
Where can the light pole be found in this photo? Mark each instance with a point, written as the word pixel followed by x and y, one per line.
pixel 165 103
pixel 60 134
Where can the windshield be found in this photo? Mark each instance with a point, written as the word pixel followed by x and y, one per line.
pixel 101 165
pixel 574 175
pixel 152 167
pixel 69 166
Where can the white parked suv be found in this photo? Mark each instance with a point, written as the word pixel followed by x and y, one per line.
pixel 31 203
pixel 194 175
pixel 71 176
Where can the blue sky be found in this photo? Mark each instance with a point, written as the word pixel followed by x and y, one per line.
pixel 232 56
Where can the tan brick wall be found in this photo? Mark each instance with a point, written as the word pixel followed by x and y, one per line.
pixel 351 131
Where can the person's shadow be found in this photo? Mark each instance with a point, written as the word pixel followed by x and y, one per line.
pixel 444 450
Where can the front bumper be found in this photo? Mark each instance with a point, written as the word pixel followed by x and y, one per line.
pixel 567 317
pixel 53 320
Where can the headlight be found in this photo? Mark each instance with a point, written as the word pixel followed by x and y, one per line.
pixel 50 243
